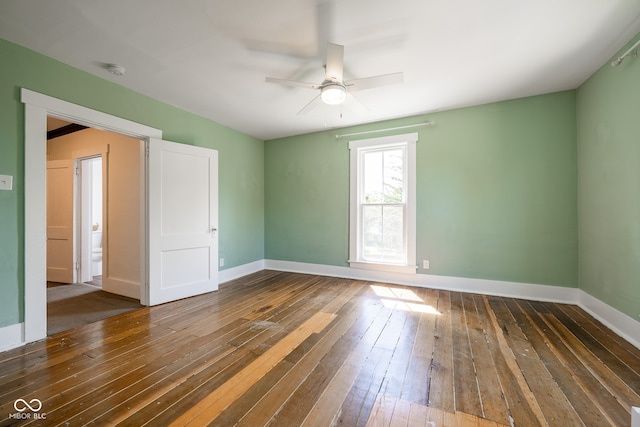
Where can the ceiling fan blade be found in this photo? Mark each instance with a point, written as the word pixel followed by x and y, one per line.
pixel 354 105
pixel 335 62
pixel 375 81
pixel 311 105
pixel 292 83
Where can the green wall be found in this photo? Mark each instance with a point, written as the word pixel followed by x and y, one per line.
pixel 496 190
pixel 608 117
pixel 241 160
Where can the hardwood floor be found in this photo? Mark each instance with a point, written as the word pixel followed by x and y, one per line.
pixel 288 349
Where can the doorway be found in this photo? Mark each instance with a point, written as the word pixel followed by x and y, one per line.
pixel 90 224
pixel 87 168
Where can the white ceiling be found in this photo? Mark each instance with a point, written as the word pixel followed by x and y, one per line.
pixel 211 57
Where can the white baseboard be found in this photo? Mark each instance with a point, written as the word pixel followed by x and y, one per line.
pixel 462 284
pixel 241 270
pixel 620 323
pixel 635 417
pixel 11 336
pixel 122 287
pixel 623 325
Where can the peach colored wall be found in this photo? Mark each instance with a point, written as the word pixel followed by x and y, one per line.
pixel 122 264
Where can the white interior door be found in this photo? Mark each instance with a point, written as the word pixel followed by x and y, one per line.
pixel 183 221
pixel 60 183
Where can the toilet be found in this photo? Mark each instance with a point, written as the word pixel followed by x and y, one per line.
pixel 96 253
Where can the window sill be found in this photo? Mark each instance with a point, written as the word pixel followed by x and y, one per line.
pixel 393 268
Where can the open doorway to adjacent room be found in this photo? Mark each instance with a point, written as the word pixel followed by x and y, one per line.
pixel 90 226
pixel 90 171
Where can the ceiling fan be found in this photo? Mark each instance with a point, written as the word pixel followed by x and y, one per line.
pixel 334 90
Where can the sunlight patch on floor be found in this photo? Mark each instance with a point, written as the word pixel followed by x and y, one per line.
pixel 395 412
pixel 402 299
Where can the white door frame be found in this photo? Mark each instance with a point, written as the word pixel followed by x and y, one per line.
pixel 37 108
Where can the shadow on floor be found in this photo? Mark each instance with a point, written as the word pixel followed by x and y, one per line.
pixel 72 305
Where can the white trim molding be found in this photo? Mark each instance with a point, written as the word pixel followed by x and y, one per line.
pixel 240 270
pixel 86 116
pixel 357 150
pixel 11 336
pixel 37 108
pixel 623 325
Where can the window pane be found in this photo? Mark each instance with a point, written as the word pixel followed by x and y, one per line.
pixel 392 232
pixel 372 232
pixel 383 176
pixel 373 188
pixel 393 176
pixel 383 233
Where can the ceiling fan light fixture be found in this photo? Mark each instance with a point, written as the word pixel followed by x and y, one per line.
pixel 333 94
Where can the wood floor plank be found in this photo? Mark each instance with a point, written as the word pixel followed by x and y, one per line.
pixel 603 353
pixel 574 393
pixel 248 348
pixel 63 373
pixel 604 373
pixel 441 389
pixel 372 374
pixel 491 393
pixel 417 415
pixel 556 409
pixel 605 402
pixel 394 381
pixel 215 403
pixel 104 380
pixel 350 330
pixel 391 355
pixel 415 385
pixel 511 343
pixel 338 341
pixel 624 350
pixel 510 385
pixel 352 405
pixel 65 346
pixel 401 414
pixel 112 402
pixel 464 371
pixel 327 406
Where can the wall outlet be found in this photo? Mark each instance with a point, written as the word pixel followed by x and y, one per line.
pixel 221 262
pixel 6 182
pixel 425 264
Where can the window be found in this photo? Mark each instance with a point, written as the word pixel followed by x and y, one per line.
pixel 383 200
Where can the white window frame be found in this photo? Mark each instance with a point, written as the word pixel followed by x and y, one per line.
pixel 356 148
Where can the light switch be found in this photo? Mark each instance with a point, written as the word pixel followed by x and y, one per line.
pixel 6 182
